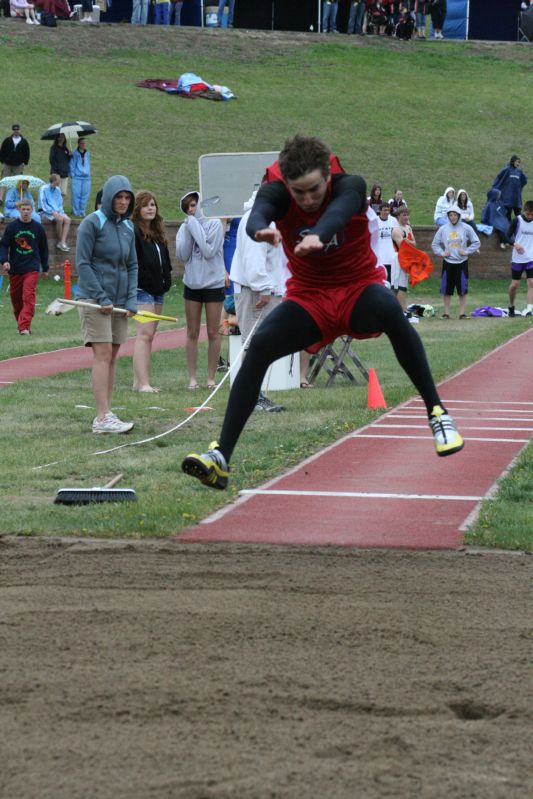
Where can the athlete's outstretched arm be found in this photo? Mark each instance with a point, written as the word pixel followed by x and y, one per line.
pixel 271 203
pixel 348 198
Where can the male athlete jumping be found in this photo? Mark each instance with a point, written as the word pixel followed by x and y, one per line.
pixel 335 289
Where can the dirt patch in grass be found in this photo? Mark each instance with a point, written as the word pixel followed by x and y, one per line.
pixel 200 672
pixel 244 46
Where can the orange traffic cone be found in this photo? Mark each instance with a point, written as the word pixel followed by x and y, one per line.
pixel 375 395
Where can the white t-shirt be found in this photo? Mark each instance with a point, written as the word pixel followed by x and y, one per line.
pixel 385 246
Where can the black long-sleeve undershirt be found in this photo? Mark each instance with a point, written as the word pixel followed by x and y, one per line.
pixel 273 200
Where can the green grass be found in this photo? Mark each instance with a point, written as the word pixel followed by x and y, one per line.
pixel 420 117
pixel 415 116
pixel 60 408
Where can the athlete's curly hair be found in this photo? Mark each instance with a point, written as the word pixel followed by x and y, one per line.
pixel 303 154
pixel 154 230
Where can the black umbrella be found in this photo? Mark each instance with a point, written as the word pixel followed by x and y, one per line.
pixel 72 130
pixel 526 24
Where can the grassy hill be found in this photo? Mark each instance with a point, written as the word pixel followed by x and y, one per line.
pixel 419 116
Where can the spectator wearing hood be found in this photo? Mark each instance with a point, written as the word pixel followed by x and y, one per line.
pixel 455 241
pixel 465 205
pixel 510 181
pixel 494 214
pixel 521 235
pixel 106 263
pixel 199 244
pixel 444 203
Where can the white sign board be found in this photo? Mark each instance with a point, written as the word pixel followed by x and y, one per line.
pixel 227 180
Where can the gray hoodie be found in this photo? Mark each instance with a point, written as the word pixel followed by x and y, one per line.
pixel 199 244
pixel 106 260
pixel 452 239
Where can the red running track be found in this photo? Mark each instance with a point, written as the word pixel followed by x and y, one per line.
pixel 44 364
pixel 383 485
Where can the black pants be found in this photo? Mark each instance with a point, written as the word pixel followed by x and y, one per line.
pixel 289 328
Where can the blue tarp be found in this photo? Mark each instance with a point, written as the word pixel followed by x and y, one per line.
pixel 455 25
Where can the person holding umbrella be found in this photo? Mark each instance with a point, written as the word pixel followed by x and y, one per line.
pixel 19 192
pixel 80 173
pixel 59 158
pixel 14 155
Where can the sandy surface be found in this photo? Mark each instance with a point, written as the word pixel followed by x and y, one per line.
pixel 160 670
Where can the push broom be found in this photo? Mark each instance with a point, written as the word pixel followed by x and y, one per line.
pixel 58 307
pixel 84 496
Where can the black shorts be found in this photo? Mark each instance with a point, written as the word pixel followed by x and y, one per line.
pixel 204 295
pixel 454 277
pixel 517 270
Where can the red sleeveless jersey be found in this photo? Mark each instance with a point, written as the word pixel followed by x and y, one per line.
pixel 347 259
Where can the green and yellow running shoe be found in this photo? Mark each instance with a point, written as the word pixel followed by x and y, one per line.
pixel 447 439
pixel 210 468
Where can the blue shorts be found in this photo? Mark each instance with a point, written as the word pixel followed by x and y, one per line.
pixel 517 269
pixel 143 298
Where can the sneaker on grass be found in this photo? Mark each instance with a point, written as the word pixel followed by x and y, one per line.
pixel 111 424
pixel 264 404
pixel 447 439
pixel 210 468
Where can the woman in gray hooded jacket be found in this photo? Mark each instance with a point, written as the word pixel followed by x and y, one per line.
pixel 106 262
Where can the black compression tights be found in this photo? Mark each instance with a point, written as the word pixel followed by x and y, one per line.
pixel 289 328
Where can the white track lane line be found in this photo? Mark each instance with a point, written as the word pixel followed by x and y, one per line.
pixel 482 417
pixel 429 438
pixel 463 427
pixel 473 402
pixel 358 494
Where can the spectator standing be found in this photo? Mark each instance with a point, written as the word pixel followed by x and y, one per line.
pixel 396 202
pixel 375 198
pixel 59 157
pixel 139 15
pixel 14 155
pixel 510 181
pixel 199 244
pixel 220 14
pixel 80 173
pixel 455 241
pixel 421 8
pixel 51 209
pixel 466 207
pixel 153 281
pixel 357 16
pixel 399 277
pixel 385 250
pixel 256 272
pixel 329 16
pixel 521 235
pixel 24 255
pixel 161 12
pixel 175 12
pixel 443 205
pixel 438 10
pixel 14 197
pixel 106 262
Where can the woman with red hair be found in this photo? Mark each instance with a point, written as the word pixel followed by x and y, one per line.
pixel 154 280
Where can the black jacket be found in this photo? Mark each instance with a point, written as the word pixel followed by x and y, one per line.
pixel 14 156
pixel 155 274
pixel 59 160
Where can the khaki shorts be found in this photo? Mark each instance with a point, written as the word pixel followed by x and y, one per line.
pixel 63 185
pixel 100 328
pixel 247 313
pixel 9 169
